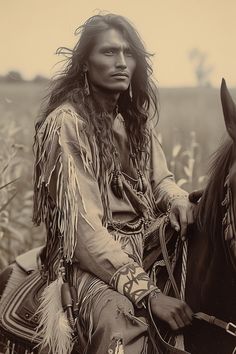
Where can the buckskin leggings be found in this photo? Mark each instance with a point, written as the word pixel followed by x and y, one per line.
pixel 118 328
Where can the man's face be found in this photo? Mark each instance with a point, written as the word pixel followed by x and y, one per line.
pixel 111 64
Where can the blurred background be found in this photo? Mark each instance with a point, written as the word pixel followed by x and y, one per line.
pixel 192 43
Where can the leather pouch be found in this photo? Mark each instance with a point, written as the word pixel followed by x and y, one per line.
pixel 19 316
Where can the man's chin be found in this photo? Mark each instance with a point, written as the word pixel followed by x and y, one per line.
pixel 119 88
pixel 112 89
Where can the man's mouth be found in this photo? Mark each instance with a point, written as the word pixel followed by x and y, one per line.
pixel 120 74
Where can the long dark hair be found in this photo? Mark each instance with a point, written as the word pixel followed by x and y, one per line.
pixel 69 83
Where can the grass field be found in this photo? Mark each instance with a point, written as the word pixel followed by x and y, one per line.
pixel 190 129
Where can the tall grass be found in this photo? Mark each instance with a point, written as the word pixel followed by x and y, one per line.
pixel 185 163
pixel 17 233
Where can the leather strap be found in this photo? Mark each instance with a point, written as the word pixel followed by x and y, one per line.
pixel 228 327
pixel 164 251
pixel 154 228
pixel 166 257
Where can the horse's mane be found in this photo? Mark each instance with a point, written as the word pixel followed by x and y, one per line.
pixel 210 211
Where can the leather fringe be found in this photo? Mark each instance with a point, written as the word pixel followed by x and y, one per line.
pixel 11 346
pixel 62 218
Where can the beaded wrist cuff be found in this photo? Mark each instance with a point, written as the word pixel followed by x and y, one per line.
pixel 133 282
pixel 154 293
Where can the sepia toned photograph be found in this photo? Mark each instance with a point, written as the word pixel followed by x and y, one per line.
pixel 117 177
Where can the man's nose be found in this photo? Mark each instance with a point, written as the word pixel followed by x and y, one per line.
pixel 121 61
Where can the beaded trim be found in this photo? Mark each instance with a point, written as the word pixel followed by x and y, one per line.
pixel 154 293
pixel 128 228
pixel 116 180
pixel 228 223
pixel 133 282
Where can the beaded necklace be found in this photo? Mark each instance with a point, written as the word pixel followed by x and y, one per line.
pixel 116 181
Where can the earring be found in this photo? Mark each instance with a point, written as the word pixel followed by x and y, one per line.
pixel 130 92
pixel 86 85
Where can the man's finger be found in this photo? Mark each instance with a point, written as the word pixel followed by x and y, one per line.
pixel 174 222
pixel 186 319
pixel 173 325
pixel 190 216
pixel 185 313
pixel 179 320
pixel 189 312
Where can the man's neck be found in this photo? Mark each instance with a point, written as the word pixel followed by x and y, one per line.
pixel 107 99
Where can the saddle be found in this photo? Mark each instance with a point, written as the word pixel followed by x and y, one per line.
pixel 21 297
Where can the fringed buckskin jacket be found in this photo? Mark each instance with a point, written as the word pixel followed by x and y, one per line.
pixel 101 237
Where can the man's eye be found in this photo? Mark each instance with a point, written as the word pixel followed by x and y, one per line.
pixel 128 53
pixel 109 52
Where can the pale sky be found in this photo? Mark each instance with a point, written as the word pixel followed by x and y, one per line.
pixel 32 30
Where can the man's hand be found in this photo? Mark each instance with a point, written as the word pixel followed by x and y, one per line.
pixel 173 311
pixel 181 215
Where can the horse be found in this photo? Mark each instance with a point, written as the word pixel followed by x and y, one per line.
pixel 211 259
pixel 208 262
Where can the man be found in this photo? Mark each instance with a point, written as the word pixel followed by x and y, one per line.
pixel 100 180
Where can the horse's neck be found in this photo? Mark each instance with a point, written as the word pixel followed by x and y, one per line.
pixel 211 283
